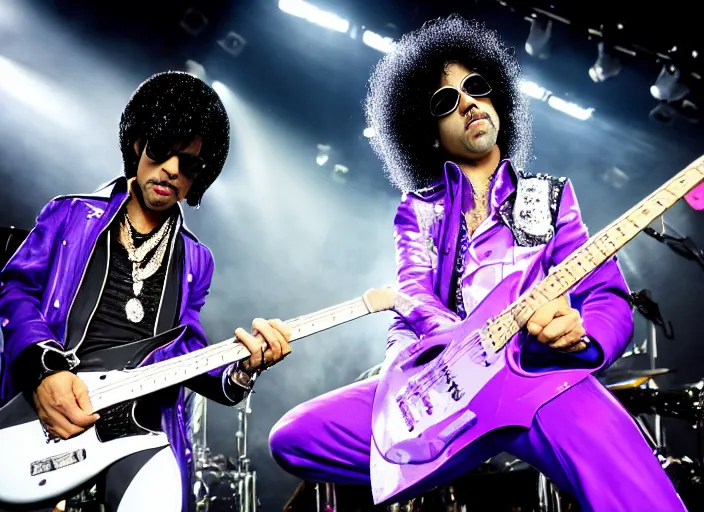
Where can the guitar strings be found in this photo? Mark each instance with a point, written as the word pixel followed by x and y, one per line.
pixel 152 372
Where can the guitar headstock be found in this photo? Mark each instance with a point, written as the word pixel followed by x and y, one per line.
pixel 380 299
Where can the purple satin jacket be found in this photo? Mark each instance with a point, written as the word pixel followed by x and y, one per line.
pixel 41 281
pixel 426 231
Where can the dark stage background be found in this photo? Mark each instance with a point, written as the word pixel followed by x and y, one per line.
pixel 291 236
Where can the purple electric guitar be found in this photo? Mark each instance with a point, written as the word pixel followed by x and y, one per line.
pixel 469 379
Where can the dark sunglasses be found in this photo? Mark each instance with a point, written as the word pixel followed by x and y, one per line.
pixel 190 165
pixel 445 100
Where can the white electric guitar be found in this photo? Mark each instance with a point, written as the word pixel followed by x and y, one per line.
pixel 35 468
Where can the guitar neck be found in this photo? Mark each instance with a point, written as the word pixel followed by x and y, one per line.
pixel 598 249
pixel 177 370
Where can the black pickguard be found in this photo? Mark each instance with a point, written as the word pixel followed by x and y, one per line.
pixel 117 421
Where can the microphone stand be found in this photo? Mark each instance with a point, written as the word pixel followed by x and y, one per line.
pixel 646 306
pixel 682 245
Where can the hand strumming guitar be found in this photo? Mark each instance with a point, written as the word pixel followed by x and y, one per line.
pixel 62 400
pixel 267 344
pixel 63 405
pixel 559 326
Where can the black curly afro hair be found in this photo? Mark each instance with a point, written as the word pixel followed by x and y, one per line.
pixel 176 106
pixel 401 84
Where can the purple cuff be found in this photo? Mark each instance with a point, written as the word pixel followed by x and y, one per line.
pixel 591 356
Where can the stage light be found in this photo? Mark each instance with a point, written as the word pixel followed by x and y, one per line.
pixel 540 93
pixel 615 177
pixel 323 154
pixel 193 21
pixel 668 87
pixel 607 64
pixel 339 173
pixel 570 108
pixel 534 90
pixel 219 88
pixel 196 69
pixel 374 40
pixel 314 14
pixel 233 43
pixel 538 42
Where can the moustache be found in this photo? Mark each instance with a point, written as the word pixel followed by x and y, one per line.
pixel 475 117
pixel 479 116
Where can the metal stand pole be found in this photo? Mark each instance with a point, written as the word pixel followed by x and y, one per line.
pixel 548 496
pixel 330 498
pixel 247 480
pixel 653 356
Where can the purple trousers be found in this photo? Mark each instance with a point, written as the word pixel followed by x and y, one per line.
pixel 584 441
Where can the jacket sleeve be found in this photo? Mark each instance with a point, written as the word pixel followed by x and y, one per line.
pixel 602 297
pixel 22 285
pixel 419 310
pixel 216 384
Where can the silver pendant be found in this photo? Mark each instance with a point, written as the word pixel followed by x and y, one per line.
pixel 134 310
pixel 137 287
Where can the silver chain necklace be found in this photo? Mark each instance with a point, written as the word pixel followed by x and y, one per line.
pixel 141 272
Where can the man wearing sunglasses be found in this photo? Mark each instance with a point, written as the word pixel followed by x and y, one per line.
pixel 104 277
pixel 453 131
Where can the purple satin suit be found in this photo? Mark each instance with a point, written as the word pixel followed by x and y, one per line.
pixel 583 440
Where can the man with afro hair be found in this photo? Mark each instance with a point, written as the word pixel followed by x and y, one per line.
pixel 453 132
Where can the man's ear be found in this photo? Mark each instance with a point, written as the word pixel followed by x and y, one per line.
pixel 138 147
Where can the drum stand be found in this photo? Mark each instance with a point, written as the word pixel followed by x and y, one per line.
pixel 548 495
pixel 245 478
pixel 330 503
pixel 650 310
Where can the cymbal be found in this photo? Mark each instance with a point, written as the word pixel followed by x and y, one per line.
pixel 634 374
pixel 613 377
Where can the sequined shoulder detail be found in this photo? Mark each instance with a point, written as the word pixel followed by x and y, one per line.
pixel 426 215
pixel 429 215
pixel 532 212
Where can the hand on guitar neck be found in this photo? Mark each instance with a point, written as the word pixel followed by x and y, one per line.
pixel 63 405
pixel 65 409
pixel 267 344
pixel 559 326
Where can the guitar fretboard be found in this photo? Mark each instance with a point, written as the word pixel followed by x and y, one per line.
pixel 598 249
pixel 158 376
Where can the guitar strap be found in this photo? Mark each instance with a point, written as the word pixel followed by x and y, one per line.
pixel 127 356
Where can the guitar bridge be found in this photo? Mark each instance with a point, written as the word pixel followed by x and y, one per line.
pixel 406 413
pixel 455 392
